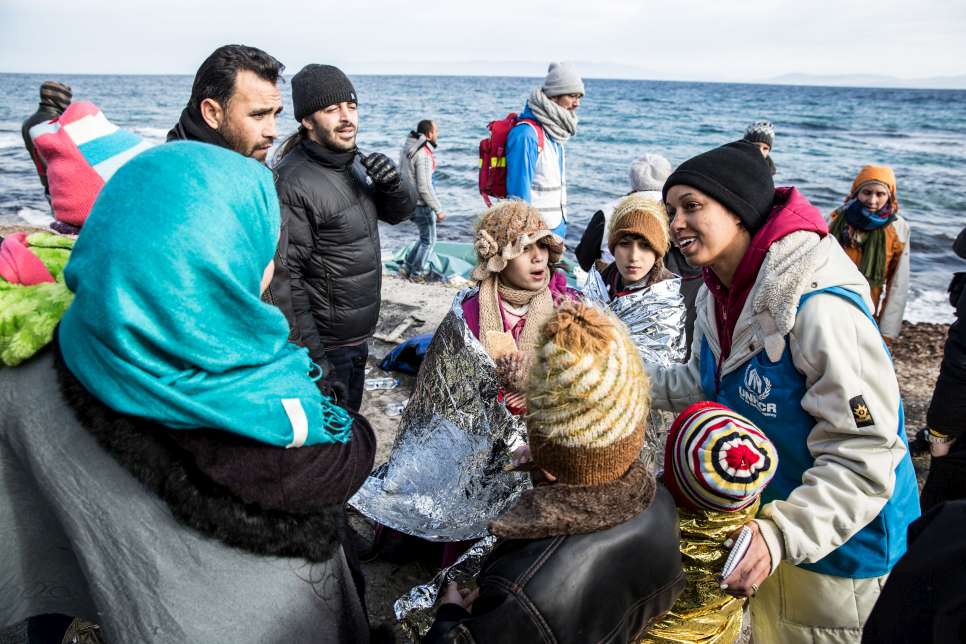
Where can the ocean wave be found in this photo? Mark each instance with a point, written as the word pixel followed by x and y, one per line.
pixel 34 217
pixel 929 306
pixel 10 140
pixel 152 134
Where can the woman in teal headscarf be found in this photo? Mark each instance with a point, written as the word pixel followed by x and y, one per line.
pixel 170 360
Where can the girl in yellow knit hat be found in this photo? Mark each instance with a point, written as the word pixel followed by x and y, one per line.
pixel 876 238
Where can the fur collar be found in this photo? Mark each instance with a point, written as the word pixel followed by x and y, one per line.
pixel 561 510
pixel 147 451
pixel 785 276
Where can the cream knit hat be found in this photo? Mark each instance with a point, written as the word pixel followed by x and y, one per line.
pixel 588 397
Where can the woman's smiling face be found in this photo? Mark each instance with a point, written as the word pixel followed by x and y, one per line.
pixel 701 227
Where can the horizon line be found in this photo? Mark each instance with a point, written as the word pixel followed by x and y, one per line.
pixel 775 81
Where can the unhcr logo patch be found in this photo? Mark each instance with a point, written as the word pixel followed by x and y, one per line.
pixel 755 389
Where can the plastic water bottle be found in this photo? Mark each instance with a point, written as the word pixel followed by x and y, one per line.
pixel 373 384
pixel 396 408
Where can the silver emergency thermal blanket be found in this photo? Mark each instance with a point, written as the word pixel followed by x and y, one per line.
pixel 445 478
pixel 414 610
pixel 654 316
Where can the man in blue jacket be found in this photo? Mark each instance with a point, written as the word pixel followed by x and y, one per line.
pixel 538 173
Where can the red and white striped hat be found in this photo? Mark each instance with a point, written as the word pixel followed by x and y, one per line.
pixel 716 459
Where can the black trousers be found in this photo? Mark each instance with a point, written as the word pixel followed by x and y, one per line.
pixel 947 477
pixel 349 368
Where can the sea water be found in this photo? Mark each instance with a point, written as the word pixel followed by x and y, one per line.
pixel 824 136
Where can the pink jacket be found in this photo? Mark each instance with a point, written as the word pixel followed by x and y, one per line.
pixel 471 305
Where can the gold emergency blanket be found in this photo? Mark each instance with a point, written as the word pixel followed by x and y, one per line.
pixel 702 612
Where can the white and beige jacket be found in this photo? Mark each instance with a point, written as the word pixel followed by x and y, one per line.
pixel 841 355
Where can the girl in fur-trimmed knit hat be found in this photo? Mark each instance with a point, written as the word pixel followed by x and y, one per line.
pixel 876 238
pixel 518 289
pixel 598 539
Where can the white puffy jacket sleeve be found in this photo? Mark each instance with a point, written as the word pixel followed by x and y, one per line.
pixel 674 388
pixel 840 352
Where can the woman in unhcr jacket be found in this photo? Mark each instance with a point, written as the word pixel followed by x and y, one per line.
pixel 147 483
pixel 785 336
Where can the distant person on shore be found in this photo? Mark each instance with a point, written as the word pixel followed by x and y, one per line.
pixel 235 102
pixel 536 174
pixel 762 134
pixel 785 336
pixel 333 197
pixel 647 176
pixel 54 99
pixel 417 162
pixel 946 418
pixel 81 151
pixel 876 238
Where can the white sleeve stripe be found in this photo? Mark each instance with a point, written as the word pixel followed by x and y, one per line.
pixel 298 419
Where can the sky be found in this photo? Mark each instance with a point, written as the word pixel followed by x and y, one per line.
pixel 711 40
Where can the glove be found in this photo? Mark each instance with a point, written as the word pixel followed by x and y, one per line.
pixel 334 389
pixel 382 171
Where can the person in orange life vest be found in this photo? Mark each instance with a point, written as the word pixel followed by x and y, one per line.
pixel 539 176
pixel 417 163
pixel 519 288
pixel 876 238
pixel 785 337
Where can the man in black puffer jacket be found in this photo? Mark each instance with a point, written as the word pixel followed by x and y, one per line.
pixel 333 197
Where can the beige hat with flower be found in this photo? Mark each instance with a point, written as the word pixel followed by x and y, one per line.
pixel 502 233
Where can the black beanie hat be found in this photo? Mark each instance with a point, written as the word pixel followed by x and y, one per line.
pixel 318 86
pixel 736 175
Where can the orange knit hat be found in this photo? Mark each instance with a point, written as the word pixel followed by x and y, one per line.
pixel 877 174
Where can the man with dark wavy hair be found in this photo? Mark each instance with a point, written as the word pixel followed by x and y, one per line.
pixel 235 102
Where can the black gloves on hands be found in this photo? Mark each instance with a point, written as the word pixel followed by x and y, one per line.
pixel 382 171
pixel 334 389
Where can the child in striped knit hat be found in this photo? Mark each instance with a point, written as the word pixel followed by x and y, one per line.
pixel 592 555
pixel 716 465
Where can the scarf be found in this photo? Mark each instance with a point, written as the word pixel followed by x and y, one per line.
pixel 167 323
pixel 192 127
pixel 327 156
pixel 539 305
pixel 859 227
pixel 561 124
